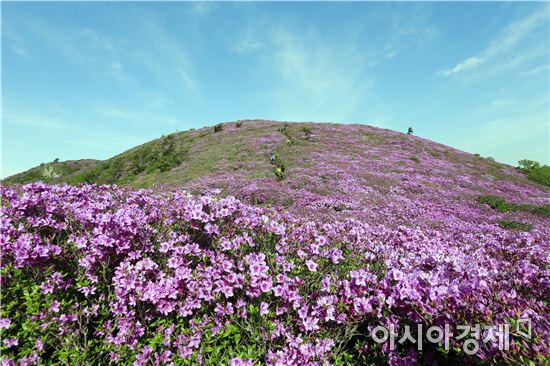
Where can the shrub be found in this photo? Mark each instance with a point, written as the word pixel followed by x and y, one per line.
pixel 415 159
pixel 239 124
pixel 218 127
pixel 307 131
pixel 284 128
pixel 535 171
pixel 528 166
pixel 543 210
pixel 112 276
pixel 514 225
pixel 502 205
pixel 497 203
pixel 540 175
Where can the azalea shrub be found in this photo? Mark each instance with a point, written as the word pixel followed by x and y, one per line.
pixel 103 275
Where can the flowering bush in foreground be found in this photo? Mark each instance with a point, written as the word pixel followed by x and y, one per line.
pixel 99 275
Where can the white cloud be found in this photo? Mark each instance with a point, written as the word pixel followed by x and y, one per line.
pixel 510 38
pixel 117 113
pixel 14 39
pixel 201 8
pixel 502 104
pixel 245 41
pixel 105 144
pixel 33 120
pixel 99 41
pixel 189 84
pixel 503 138
pixel 164 55
pixel 535 71
pixel 317 81
pixel 246 45
pixel 464 65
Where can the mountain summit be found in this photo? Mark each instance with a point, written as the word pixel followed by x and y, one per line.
pixel 330 171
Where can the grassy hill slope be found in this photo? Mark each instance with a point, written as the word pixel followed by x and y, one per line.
pixel 332 171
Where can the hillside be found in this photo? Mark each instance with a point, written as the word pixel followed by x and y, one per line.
pixel 52 172
pixel 365 228
pixel 332 171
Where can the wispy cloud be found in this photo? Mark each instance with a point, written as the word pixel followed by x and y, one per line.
pixel 99 41
pixel 408 30
pixel 34 121
pixel 245 41
pixel 316 80
pixel 510 38
pixel 500 104
pixel 202 8
pixel 535 71
pixel 464 65
pixel 507 135
pixel 117 113
pixel 104 144
pixel 165 55
pixel 14 39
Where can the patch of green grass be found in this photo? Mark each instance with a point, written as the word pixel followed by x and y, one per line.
pixel 415 159
pixel 46 173
pixel 540 174
pixel 501 205
pixel 497 203
pixel 374 138
pixel 514 225
pixel 150 159
pixel 429 184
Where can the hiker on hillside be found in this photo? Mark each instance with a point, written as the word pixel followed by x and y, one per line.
pixel 410 131
pixel 272 159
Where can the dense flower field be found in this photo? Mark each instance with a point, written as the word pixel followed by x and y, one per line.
pixel 366 173
pixel 99 275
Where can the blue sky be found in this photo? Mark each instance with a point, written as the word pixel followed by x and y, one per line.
pixel 90 80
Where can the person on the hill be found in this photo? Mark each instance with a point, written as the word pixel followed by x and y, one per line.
pixel 273 159
pixel 410 131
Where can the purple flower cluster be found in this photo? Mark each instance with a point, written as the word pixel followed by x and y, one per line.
pixel 156 278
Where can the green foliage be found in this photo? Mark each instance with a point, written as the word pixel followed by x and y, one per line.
pixel 307 131
pixel 239 124
pixel 284 129
pixel 535 171
pixel 218 128
pixel 501 205
pixel 542 210
pixel 23 299
pixel 153 158
pixel 415 159
pixel 47 173
pixel 497 203
pixel 528 166
pixel 541 175
pixel 514 225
